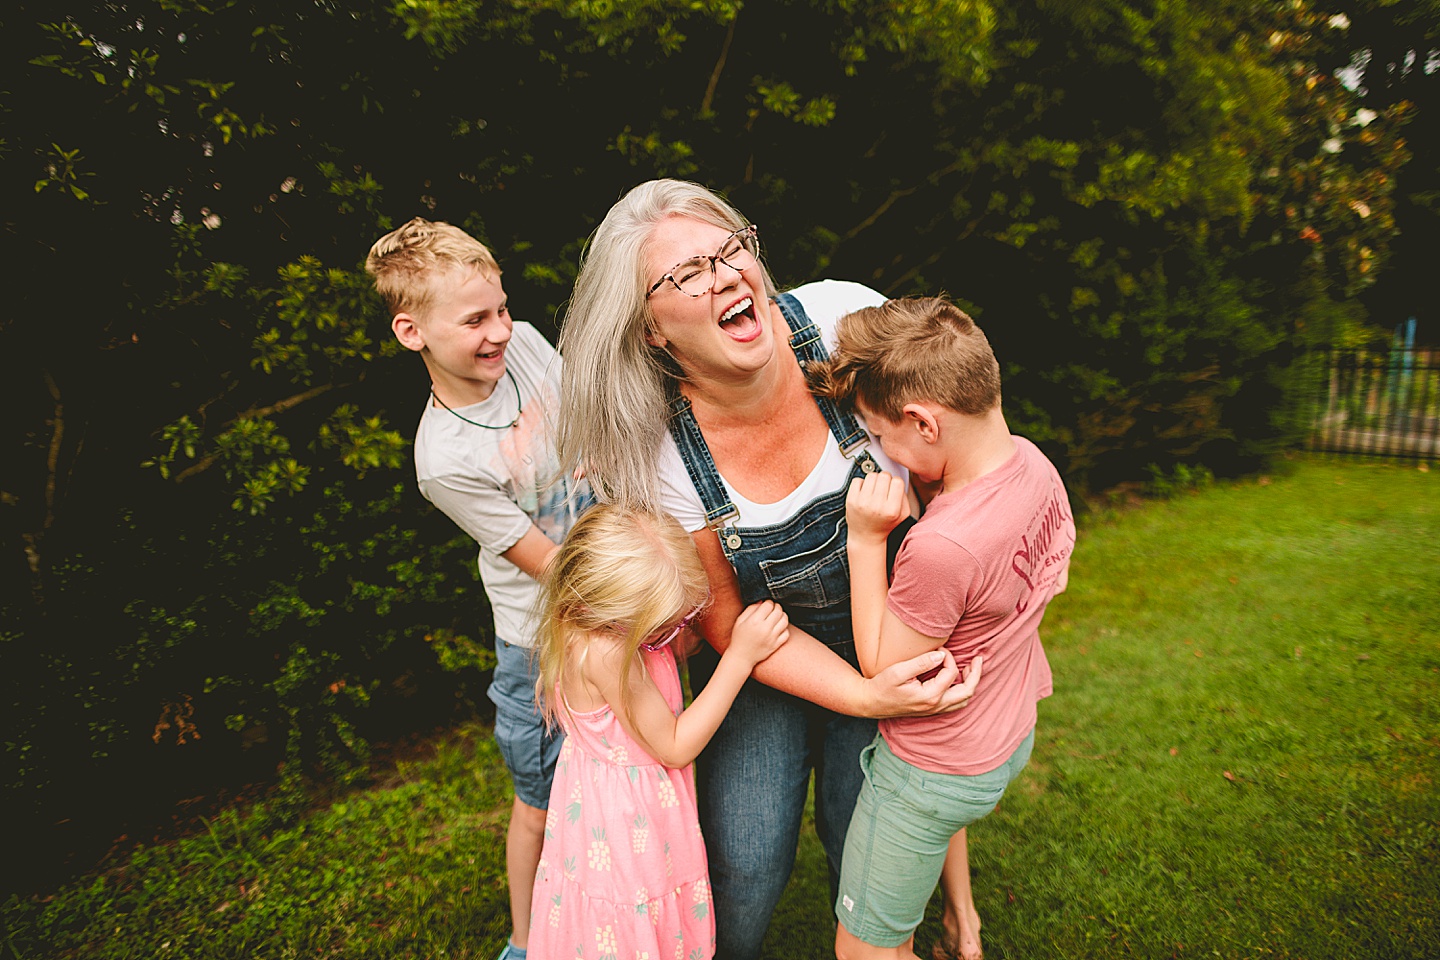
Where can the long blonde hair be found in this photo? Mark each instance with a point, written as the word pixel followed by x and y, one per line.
pixel 620 571
pixel 614 399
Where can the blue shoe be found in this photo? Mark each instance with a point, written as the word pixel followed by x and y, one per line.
pixel 511 952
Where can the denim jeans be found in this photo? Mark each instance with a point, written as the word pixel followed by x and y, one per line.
pixel 529 748
pixel 752 780
pixel 752 777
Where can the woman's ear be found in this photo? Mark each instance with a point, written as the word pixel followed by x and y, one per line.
pixel 652 334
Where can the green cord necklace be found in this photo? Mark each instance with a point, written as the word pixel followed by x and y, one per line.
pixel 487 426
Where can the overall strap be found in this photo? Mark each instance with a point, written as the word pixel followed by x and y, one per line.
pixel 720 510
pixel 695 454
pixel 805 340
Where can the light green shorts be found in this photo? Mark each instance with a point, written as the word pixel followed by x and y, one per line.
pixel 899 834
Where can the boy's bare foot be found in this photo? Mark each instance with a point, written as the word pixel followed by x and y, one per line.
pixel 961 944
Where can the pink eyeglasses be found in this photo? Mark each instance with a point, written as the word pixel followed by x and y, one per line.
pixel 668 637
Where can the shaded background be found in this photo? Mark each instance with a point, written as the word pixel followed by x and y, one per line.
pixel 216 566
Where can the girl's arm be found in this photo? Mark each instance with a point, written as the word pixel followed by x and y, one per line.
pixel 675 741
pixel 805 667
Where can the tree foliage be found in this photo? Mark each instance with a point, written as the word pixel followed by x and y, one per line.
pixel 206 497
pixel 1389 51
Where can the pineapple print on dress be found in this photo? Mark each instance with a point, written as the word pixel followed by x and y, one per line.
pixel 623 829
pixel 573 808
pixel 552 919
pixel 599 850
pixel 701 899
pixel 666 791
pixel 605 942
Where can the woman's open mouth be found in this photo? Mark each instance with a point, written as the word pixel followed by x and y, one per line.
pixel 739 321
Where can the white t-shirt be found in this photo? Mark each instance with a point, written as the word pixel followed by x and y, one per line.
pixel 825 302
pixel 495 483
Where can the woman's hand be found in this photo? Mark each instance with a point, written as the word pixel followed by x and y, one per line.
pixel 899 691
pixel 874 505
pixel 760 630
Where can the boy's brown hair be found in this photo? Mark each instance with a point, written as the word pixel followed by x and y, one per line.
pixel 405 262
pixel 909 350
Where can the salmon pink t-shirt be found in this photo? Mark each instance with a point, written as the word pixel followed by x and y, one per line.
pixel 979 568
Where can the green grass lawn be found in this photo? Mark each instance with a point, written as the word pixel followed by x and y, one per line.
pixel 1239 761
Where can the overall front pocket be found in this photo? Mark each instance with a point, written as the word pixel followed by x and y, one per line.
pixel 814 578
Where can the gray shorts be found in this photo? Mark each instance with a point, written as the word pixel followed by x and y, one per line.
pixel 899 835
pixel 529 749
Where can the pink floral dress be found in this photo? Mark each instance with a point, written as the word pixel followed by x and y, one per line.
pixel 622 873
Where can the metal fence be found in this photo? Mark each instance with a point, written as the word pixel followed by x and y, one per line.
pixel 1378 402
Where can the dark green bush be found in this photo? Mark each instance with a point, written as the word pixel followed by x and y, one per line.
pixel 210 528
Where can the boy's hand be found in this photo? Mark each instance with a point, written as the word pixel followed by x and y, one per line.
pixel 874 505
pixel 760 630
pixel 966 689
pixel 914 688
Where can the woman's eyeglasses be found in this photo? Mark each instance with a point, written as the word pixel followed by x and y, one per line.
pixel 661 640
pixel 696 277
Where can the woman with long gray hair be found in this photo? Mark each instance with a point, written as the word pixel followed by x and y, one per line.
pixel 685 392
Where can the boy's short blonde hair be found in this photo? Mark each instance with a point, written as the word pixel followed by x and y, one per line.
pixel 406 261
pixel 911 350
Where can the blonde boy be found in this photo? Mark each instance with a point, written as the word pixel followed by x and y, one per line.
pixel 485 455
pixel 973 575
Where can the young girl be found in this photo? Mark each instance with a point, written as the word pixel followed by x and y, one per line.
pixel 623 870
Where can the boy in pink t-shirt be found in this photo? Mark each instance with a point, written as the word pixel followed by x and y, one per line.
pixel 973 576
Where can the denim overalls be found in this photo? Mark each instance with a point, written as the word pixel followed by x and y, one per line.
pixel 753 775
